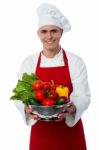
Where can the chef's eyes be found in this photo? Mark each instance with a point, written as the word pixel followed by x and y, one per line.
pixel 52 31
pixel 43 31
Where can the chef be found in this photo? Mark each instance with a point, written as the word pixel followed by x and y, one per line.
pixel 64 68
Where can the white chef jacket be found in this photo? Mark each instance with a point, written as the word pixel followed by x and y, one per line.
pixel 78 73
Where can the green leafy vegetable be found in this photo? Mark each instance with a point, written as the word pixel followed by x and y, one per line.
pixel 23 90
pixel 29 78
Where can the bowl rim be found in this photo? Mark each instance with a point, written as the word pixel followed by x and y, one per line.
pixel 57 106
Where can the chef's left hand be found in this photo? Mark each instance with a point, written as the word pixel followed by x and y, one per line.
pixel 71 109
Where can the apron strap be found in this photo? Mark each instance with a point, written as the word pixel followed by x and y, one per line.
pixel 39 60
pixel 65 58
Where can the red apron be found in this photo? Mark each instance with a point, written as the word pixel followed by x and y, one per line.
pixel 51 135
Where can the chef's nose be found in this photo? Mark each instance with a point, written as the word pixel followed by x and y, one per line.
pixel 49 35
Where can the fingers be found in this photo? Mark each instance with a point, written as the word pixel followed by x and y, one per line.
pixel 61 116
pixel 29 111
pixel 71 108
pixel 59 119
pixel 34 116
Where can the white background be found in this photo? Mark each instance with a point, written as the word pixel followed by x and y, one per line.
pixel 18 39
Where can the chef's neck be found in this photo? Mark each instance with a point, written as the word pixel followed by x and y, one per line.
pixel 51 53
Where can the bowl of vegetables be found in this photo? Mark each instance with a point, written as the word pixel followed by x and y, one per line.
pixel 45 98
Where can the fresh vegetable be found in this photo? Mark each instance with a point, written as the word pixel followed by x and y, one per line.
pixel 23 90
pixel 60 101
pixel 33 102
pixel 29 78
pixel 48 102
pixel 53 95
pixel 39 95
pixel 37 85
pixel 47 86
pixel 32 91
pixel 62 91
pixel 54 87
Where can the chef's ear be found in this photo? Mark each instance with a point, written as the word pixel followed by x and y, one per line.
pixel 38 33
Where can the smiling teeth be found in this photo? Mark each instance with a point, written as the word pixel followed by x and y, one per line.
pixel 49 42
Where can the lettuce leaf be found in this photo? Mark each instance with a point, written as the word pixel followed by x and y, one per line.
pixel 23 90
pixel 29 78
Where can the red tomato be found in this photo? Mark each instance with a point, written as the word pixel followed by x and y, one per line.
pixel 48 102
pixel 39 95
pixel 37 85
pixel 47 85
pixel 54 87
pixel 53 95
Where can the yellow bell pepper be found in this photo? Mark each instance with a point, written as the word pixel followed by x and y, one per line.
pixel 62 91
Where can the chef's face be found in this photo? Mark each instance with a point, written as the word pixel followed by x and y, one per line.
pixel 50 36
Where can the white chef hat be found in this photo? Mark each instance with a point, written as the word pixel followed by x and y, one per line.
pixel 49 15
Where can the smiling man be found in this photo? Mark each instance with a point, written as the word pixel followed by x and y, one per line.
pixel 64 68
pixel 50 37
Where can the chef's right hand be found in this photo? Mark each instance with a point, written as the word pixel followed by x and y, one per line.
pixel 29 111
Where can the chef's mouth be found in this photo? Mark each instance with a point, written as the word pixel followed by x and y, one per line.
pixel 50 42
